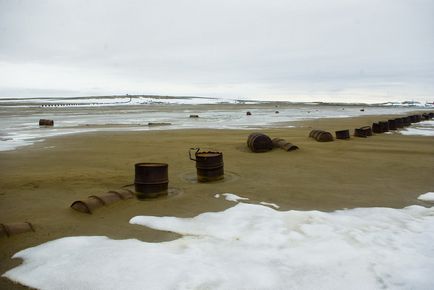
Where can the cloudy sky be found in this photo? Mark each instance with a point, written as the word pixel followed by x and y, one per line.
pixel 335 50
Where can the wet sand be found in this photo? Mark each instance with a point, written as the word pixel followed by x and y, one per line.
pixel 39 182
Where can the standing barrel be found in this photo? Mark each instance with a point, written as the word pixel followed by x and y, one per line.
pixel 399 123
pixel 343 134
pixel 259 142
pixel 209 165
pixel 363 132
pixel 413 118
pixel 392 124
pixel 321 136
pixel 151 179
pixel 45 122
pixel 376 128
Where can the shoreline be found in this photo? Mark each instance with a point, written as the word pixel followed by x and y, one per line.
pixel 41 181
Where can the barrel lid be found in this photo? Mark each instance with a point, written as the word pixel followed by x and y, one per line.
pixel 150 164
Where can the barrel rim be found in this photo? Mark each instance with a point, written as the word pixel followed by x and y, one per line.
pixel 151 164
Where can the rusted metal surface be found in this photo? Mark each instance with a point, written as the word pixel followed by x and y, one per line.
pixel 399 123
pixel 7 230
pixel 363 132
pixel 45 122
pixel 151 179
pixel 209 165
pixel 321 136
pixel 96 201
pixel 107 198
pixel 406 121
pixel 380 127
pixel 88 205
pixel 384 126
pixel 123 193
pixel 376 128
pixel 343 134
pixel 259 142
pixel 283 144
pixel 392 124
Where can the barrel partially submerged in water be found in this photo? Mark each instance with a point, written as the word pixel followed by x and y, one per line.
pixel 209 165
pixel 259 142
pixel 151 179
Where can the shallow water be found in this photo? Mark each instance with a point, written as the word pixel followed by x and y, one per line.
pixel 19 118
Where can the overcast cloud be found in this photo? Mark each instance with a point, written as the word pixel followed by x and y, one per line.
pixel 333 50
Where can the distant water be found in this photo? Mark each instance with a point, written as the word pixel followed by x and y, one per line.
pixel 19 117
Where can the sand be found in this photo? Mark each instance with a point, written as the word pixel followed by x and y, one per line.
pixel 39 182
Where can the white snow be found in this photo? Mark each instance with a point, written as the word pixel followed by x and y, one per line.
pixel 425 128
pixel 248 246
pixel 232 197
pixel 429 196
pixel 269 204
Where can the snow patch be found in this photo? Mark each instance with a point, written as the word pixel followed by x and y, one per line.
pixel 429 196
pixel 248 246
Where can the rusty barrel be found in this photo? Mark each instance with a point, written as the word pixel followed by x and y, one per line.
pixel 399 123
pixel 376 128
pixel 384 126
pixel 406 121
pixel 45 122
pixel 418 118
pixel 343 134
pixel 15 228
pixel 363 132
pixel 413 118
pixel 209 165
pixel 321 136
pixel 93 202
pixel 259 142
pixel 285 145
pixel 392 124
pixel 151 179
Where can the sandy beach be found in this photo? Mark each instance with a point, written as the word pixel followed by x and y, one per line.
pixel 39 182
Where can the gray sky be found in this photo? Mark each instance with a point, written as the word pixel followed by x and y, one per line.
pixel 335 50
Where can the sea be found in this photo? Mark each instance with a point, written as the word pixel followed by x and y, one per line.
pixel 19 117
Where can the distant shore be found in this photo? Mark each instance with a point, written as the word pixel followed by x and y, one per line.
pixel 39 182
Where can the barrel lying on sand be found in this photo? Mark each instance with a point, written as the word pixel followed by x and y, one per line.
pixel 209 165
pixel 363 132
pixel 151 179
pixel 343 134
pixel 45 122
pixel 259 142
pixel 7 230
pixel 95 201
pixel 321 136
pixel 283 144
